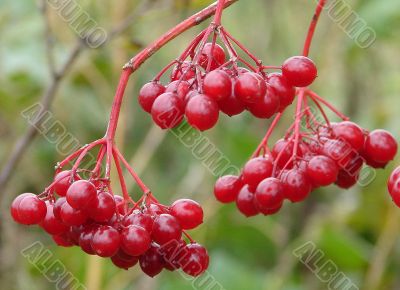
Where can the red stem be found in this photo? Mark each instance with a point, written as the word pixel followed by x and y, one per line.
pixel 313 25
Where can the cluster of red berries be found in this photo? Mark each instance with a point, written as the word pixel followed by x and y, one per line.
pixel 335 154
pixel 86 214
pixel 209 83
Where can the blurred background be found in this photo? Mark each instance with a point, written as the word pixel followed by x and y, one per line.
pixel 358 229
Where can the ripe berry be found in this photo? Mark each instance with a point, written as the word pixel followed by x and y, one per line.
pixel 380 146
pixel 80 193
pixel 181 88
pixel 51 224
pixel 271 211
pixel 135 240
pixel 202 112
pixel 393 178
pixel 250 88
pixel 102 208
pixel 349 132
pixel 196 261
pixel 63 182
pixel 71 216
pixel 257 169
pixel 300 71
pixel 217 56
pixel 166 228
pixel 123 260
pixel 167 110
pixel 395 192
pixel 119 204
pixel 231 106
pixel 217 85
pixel 322 170
pixel 148 94
pixel 283 89
pixel 188 212
pixel 296 186
pixel 57 207
pixel 245 202
pixel 106 241
pixel 269 194
pixel 62 240
pixel 28 209
pixel 346 180
pixel 172 254
pixel 339 151
pixel 85 239
pixel 152 262
pixel 139 219
pixel 267 107
pixel 185 68
pixel 227 188
pixel 284 157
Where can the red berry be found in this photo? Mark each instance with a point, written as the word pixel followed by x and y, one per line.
pixel 250 88
pixel 231 106
pixel 257 169
pixel 102 208
pixel 227 188
pixel 202 112
pixel 283 89
pixel 181 88
pixel 346 180
pixel 29 209
pixel 148 94
pixel 51 224
pixel 135 240
pixel 139 219
pixel 166 228
pixel 271 211
pixel 283 151
pixel 300 71
pixel 62 240
pixel 339 151
pixel 71 216
pixel 119 204
pixel 217 56
pixel 380 146
pixel 245 202
pixel 123 260
pixel 80 193
pixel 15 204
pixel 63 182
pixel 172 254
pixel 217 85
pixel 322 170
pixel 106 241
pixel 349 132
pixel 167 110
pixel 196 261
pixel 269 194
pixel 393 178
pixel 296 186
pixel 57 207
pixel 185 69
pixel 267 107
pixel 152 262
pixel 188 212
pixel 85 239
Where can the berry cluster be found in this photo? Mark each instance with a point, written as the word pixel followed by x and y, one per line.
pixel 324 154
pixel 86 213
pixel 204 82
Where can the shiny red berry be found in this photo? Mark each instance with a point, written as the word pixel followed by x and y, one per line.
pixel 102 208
pixel 80 193
pixel 300 71
pixel 181 88
pixel 269 194
pixel 227 188
pixel 196 261
pixel 135 240
pixel 28 209
pixel 202 112
pixel 250 88
pixel 257 169
pixel 148 94
pixel 123 260
pixel 62 182
pixel 296 186
pixel 231 106
pixel 152 263
pixel 106 241
pixel 267 107
pixel 349 132
pixel 393 178
pixel 322 170
pixel 184 70
pixel 245 202
pixel 380 146
pixel 216 56
pixel 85 239
pixel 71 216
pixel 283 89
pixel 167 111
pixel 217 85
pixel 188 212
pixel 166 228
pixel 15 204
pixel 52 224
pixel 140 219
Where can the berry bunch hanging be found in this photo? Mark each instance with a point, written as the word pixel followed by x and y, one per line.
pixel 208 78
pixel 79 207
